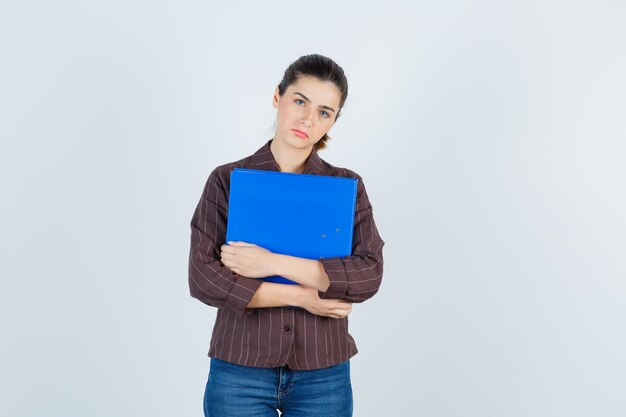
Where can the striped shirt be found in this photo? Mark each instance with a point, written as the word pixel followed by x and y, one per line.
pixel 270 337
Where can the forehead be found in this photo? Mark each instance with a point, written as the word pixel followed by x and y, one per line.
pixel 319 92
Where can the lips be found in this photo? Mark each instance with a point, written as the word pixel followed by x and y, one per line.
pixel 300 133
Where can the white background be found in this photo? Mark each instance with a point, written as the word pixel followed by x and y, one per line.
pixel 490 136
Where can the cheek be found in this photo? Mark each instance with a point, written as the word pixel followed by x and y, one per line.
pixel 287 114
pixel 325 124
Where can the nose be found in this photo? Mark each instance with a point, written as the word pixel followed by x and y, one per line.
pixel 306 118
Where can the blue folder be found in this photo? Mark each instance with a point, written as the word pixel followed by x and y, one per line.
pixel 308 216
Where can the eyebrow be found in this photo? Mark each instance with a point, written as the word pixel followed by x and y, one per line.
pixel 322 106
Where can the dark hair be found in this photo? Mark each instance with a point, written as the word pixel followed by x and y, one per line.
pixel 322 68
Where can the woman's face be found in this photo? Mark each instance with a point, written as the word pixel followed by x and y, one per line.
pixel 306 111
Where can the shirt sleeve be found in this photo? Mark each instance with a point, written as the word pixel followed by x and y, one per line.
pixel 210 281
pixel 357 278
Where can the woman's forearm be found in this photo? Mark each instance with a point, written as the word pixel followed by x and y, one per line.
pixel 307 272
pixel 270 294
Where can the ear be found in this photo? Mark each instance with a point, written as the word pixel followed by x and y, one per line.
pixel 276 98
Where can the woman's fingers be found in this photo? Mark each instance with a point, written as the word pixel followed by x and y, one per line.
pixel 338 309
pixel 226 249
pixel 228 256
pixel 339 315
pixel 342 306
pixel 232 266
pixel 333 308
pixel 242 244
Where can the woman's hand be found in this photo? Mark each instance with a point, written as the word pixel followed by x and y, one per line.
pixel 247 259
pixel 311 302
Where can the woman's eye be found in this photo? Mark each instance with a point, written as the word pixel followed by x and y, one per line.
pixel 298 101
pixel 324 113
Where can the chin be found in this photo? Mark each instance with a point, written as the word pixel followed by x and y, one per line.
pixel 300 144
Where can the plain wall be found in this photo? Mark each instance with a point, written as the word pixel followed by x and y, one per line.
pixel 491 139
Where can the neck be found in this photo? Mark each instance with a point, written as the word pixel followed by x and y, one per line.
pixel 289 159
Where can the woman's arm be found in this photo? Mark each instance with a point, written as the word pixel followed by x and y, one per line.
pixel 357 277
pixel 307 272
pixel 252 261
pixel 209 280
pixel 270 294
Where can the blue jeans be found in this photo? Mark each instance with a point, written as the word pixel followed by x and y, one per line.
pixel 245 391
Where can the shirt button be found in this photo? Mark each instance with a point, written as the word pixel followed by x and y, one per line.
pixel 287 328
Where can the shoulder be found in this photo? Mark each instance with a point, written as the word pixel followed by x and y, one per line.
pixel 226 169
pixel 261 159
pixel 218 181
pixel 222 172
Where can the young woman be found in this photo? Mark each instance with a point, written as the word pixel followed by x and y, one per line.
pixel 266 356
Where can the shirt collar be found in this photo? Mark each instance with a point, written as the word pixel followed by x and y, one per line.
pixel 264 159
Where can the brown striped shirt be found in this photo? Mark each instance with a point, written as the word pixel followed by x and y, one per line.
pixel 269 337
